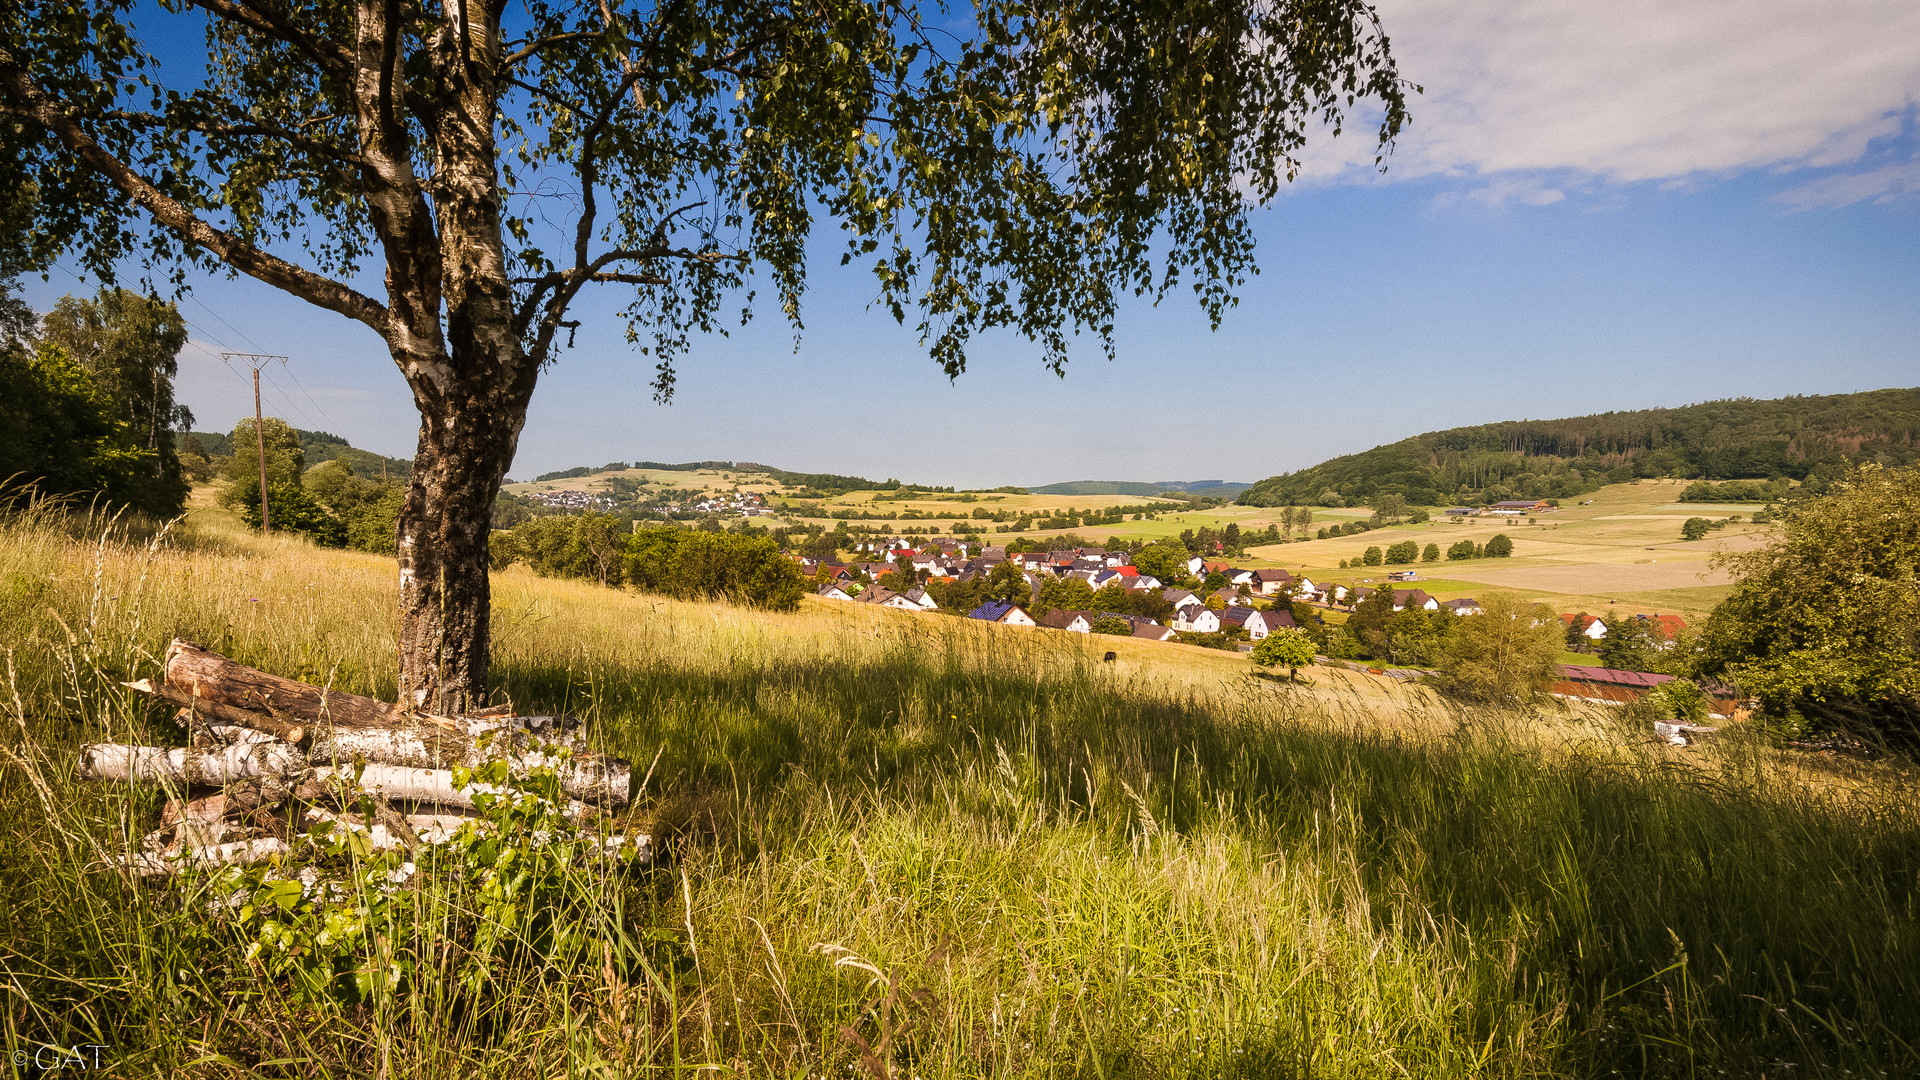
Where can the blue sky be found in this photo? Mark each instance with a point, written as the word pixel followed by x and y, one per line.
pixel 1597 207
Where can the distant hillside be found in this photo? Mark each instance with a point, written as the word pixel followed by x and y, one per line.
pixel 1219 488
pixel 1735 439
pixel 817 483
pixel 319 446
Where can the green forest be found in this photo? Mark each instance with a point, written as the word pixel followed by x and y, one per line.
pixel 1807 438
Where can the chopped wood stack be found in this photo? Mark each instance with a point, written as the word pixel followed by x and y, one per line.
pixel 270 756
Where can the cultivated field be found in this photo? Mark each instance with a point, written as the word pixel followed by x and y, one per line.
pixel 908 846
pixel 1622 553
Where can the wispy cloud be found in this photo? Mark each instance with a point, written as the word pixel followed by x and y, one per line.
pixel 1647 90
pixel 1876 185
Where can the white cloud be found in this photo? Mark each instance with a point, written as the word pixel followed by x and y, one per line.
pixel 1640 90
pixel 1878 185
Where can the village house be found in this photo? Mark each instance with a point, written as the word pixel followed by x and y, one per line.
pixel 1002 613
pixel 1236 619
pixel 1196 619
pixel 1519 507
pixel 874 594
pixel 921 599
pixel 831 591
pixel 1462 606
pixel 1592 629
pixel 1079 622
pixel 1269 582
pixel 1261 623
pixel 1153 632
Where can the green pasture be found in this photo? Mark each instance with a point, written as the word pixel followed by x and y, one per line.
pixel 905 846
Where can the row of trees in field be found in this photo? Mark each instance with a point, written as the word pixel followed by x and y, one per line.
pixel 1407 552
pixel 689 564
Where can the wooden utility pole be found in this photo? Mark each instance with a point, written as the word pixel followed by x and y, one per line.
pixel 258 361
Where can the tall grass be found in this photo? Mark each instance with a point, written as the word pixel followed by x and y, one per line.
pixel 918 847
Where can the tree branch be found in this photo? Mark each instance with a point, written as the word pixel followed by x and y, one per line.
pixel 332 57
pixel 176 218
pixel 319 147
pixel 529 50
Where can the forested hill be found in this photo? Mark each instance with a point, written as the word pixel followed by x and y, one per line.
pixel 318 446
pixel 1739 438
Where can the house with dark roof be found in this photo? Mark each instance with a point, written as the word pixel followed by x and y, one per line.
pixel 1196 619
pixel 1270 581
pixel 1417 599
pixel 1235 617
pixel 1463 606
pixel 1003 613
pixel 1153 631
pixel 1262 623
pixel 884 597
pixel 830 591
pixel 1079 622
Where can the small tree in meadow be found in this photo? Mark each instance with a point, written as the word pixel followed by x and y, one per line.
pixel 1288 645
pixel 1371 556
pixel 1432 554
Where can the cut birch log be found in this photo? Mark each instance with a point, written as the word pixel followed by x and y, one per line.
pixel 207 768
pixel 399 783
pixel 429 829
pixel 223 711
pixel 582 776
pixel 207 676
pixel 239 852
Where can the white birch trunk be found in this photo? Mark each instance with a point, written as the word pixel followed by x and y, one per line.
pixel 207 768
pixel 239 852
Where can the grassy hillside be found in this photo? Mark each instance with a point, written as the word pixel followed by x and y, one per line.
pixel 905 846
pixel 1220 488
pixel 1798 437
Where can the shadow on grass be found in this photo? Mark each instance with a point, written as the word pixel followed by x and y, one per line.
pixel 1677 918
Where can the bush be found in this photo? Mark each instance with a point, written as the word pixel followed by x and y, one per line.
pixel 1404 552
pixel 293 509
pixel 695 565
pixel 1498 546
pixel 1503 656
pixel 1460 551
pixel 1683 699
pixel 1371 556
pixel 1697 527
pixel 1112 624
pixel 1431 554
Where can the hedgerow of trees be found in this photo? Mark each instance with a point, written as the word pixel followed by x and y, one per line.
pixel 689 564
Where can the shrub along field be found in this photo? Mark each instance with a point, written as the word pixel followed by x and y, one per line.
pixel 919 847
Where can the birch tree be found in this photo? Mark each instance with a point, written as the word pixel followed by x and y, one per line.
pixel 456 174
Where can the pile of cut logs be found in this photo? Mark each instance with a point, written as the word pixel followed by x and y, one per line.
pixel 270 757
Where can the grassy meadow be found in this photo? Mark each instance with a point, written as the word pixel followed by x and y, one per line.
pixel 910 846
